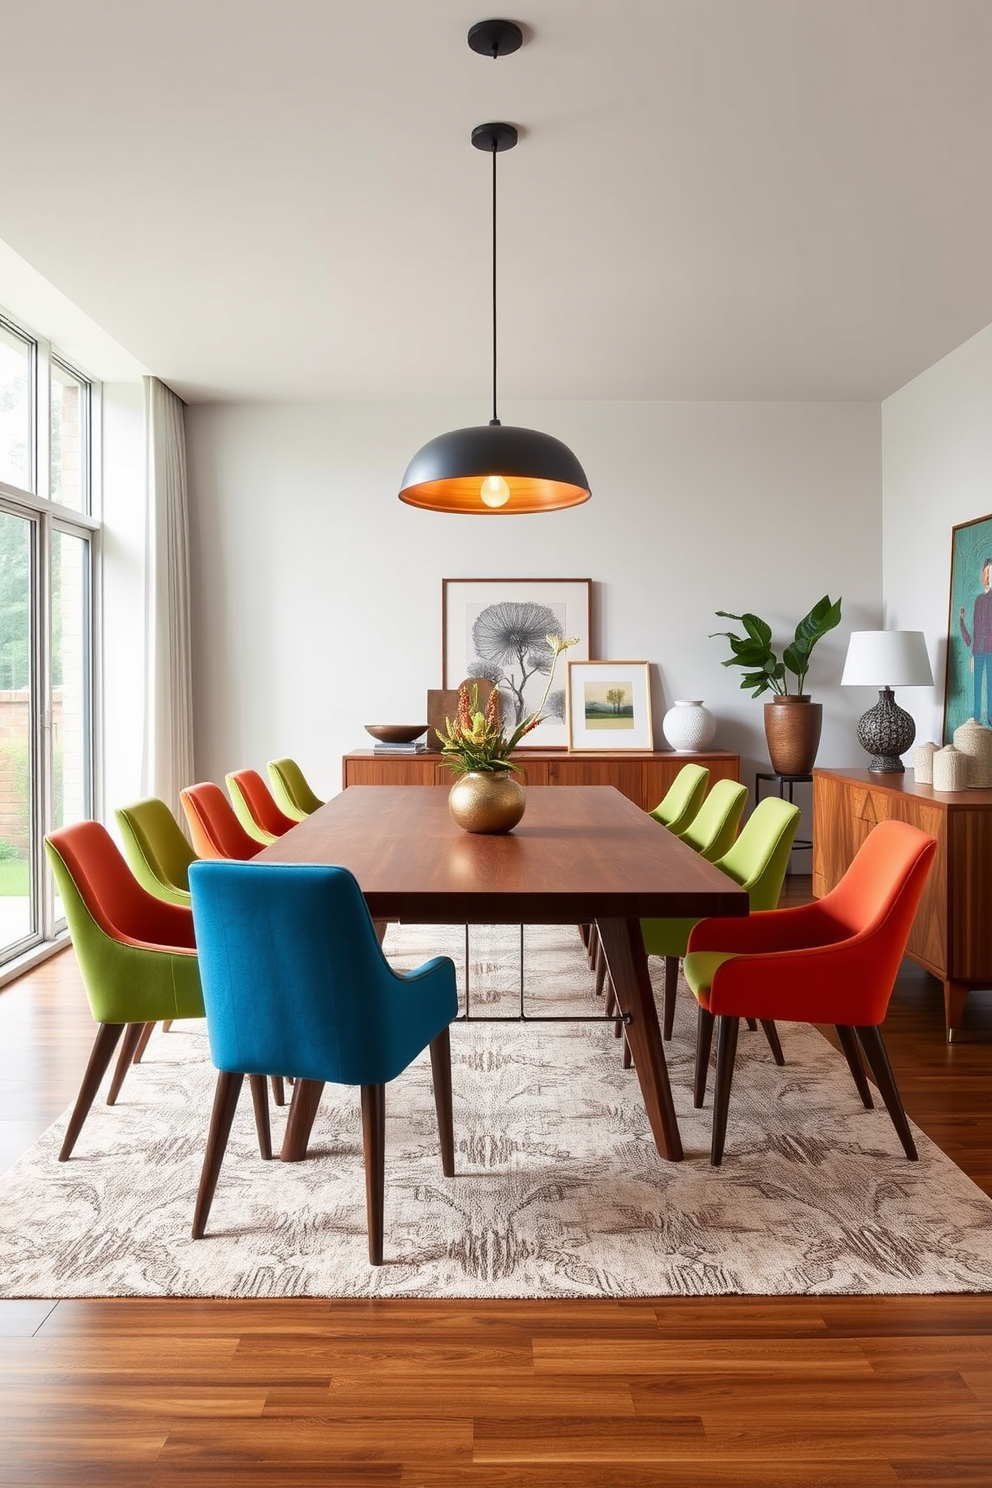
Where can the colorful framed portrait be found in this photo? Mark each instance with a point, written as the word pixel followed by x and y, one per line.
pixel 968 679
pixel 497 629
pixel 609 706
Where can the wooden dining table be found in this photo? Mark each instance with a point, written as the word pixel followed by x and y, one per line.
pixel 581 854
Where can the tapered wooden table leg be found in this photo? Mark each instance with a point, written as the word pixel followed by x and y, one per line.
pixel 299 1124
pixel 628 968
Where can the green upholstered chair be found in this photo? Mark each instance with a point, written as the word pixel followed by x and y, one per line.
pixel 291 790
pixel 714 827
pixel 255 807
pixel 156 848
pixel 682 799
pixel 757 861
pixel 136 954
pixel 294 981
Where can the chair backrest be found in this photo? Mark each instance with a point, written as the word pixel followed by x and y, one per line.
pixel 254 807
pixel 759 858
pixel 683 798
pixel 291 790
pixel 156 849
pixel 295 981
pixel 714 827
pixel 136 952
pixel 880 874
pixel 213 826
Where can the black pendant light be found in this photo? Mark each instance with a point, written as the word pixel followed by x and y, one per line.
pixel 494 469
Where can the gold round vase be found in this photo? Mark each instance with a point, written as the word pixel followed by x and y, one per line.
pixel 489 801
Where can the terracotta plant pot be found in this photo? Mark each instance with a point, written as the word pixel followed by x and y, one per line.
pixel 489 801
pixel 792 731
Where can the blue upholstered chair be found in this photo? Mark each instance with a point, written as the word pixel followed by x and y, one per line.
pixel 295 983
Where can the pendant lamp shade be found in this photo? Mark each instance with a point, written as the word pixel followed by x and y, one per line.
pixel 494 470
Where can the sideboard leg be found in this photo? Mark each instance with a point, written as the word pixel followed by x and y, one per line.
pixel 954 1000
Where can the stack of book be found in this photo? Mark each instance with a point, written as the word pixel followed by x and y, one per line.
pixel 418 747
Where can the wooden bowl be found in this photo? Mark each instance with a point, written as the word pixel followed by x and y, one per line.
pixel 396 733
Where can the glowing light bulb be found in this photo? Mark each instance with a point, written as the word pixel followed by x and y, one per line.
pixel 494 491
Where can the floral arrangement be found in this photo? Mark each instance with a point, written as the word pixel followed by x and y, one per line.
pixel 474 740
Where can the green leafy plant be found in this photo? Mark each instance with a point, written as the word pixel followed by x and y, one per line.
pixel 474 739
pixel 765 671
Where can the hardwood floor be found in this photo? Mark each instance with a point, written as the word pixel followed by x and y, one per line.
pixel 786 1393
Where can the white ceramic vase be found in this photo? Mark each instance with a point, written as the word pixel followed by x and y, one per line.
pixel 688 726
pixel 975 741
pixel 951 769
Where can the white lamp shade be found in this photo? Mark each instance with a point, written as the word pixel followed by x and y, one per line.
pixel 887 658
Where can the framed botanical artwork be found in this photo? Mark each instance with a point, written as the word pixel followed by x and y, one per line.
pixel 609 705
pixel 497 628
pixel 968 680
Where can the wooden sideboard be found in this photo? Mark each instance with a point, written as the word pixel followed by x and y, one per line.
pixel 643 778
pixel 952 932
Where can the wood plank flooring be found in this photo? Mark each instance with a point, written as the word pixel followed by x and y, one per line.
pixel 782 1393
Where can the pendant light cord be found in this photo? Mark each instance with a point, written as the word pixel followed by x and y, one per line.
pixel 494 419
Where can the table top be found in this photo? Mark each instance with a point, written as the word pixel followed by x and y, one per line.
pixel 579 854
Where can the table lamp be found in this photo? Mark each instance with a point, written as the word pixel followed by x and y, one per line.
pixel 886 659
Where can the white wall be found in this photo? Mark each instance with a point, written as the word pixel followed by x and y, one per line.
pixel 937 472
pixel 317 594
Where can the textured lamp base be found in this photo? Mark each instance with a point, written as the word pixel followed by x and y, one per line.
pixel 886 731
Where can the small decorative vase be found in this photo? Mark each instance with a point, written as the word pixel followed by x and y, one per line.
pixel 792 732
pixel 489 801
pixel 688 726
pixel 923 763
pixel 975 740
pixel 951 769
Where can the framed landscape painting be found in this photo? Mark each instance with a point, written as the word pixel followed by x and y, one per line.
pixel 496 628
pixel 968 680
pixel 609 706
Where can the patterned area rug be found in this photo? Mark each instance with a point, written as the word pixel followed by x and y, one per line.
pixel 559 1190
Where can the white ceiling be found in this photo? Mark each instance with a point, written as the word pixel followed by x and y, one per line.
pixel 715 199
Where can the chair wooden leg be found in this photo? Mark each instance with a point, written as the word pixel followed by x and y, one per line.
pixel 374 1141
pixel 166 1025
pixel 704 1042
pixel 299 1124
pixel 726 1053
pixel 226 1094
pixel 671 991
pixel 441 1070
pixel 260 1101
pixel 771 1034
pixel 584 934
pixel 592 944
pixel 146 1034
pixel 849 1044
pixel 878 1063
pixel 278 1089
pixel 104 1044
pixel 129 1045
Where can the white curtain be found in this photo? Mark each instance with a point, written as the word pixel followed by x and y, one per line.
pixel 167 763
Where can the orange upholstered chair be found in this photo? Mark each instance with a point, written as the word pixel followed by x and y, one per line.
pixel 833 961
pixel 213 826
pixel 255 807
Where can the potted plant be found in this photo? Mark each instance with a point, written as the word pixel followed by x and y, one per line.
pixel 792 721
pixel 486 798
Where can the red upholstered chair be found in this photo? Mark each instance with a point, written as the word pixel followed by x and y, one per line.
pixel 833 961
pixel 255 807
pixel 213 826
pixel 136 954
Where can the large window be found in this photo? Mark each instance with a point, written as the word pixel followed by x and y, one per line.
pixel 47 539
